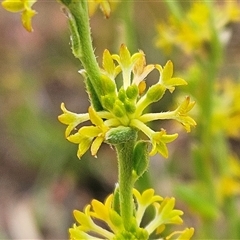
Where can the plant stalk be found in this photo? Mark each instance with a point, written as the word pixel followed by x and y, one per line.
pixel 126 181
pixel 81 33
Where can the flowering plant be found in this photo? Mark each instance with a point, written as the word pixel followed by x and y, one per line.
pixel 118 113
pixel 204 32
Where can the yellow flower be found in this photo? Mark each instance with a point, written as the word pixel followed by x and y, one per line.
pixel 140 69
pixel 165 214
pixel 23 6
pixel 188 33
pixel 166 78
pixel 159 140
pixel 109 68
pixel 183 235
pixel 144 201
pixel 194 31
pixel 113 227
pixel 105 5
pixel 90 135
pixel 226 111
pixel 71 119
pixel 126 63
pixel 124 106
pixel 180 114
pixel 228 185
pixel 230 12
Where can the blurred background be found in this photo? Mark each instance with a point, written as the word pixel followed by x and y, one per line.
pixel 41 179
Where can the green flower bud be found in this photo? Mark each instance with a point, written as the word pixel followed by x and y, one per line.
pixel 122 94
pixel 108 101
pixel 130 107
pixel 155 92
pixel 140 158
pixel 132 92
pixel 118 109
pixel 119 135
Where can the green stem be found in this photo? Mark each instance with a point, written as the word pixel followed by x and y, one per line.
pixel 83 49
pixel 126 181
pixel 128 14
pixel 175 9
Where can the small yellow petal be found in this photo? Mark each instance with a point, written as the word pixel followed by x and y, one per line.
pixel 147 197
pixel 27 19
pixel 13 6
pixel 83 147
pixel 183 235
pixel 108 63
pixel 186 234
pixel 100 210
pixel 89 131
pixel 81 217
pixel 167 71
pixel 95 119
pixel 96 145
pixel 141 87
pixel 105 7
pixel 125 56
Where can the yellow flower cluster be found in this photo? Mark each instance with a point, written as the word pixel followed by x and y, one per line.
pixel 86 136
pixel 25 8
pixel 226 112
pixel 87 222
pixel 125 106
pixel 195 30
pixel 228 185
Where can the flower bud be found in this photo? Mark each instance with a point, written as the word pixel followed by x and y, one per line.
pixel 132 91
pixel 119 109
pixel 121 94
pixel 129 106
pixel 108 101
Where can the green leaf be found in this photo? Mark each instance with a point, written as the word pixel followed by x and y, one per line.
pixel 66 2
pixel 75 38
pixel 197 201
pixel 93 95
pixel 140 158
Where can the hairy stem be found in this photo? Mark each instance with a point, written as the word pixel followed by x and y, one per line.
pixel 126 181
pixel 82 48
